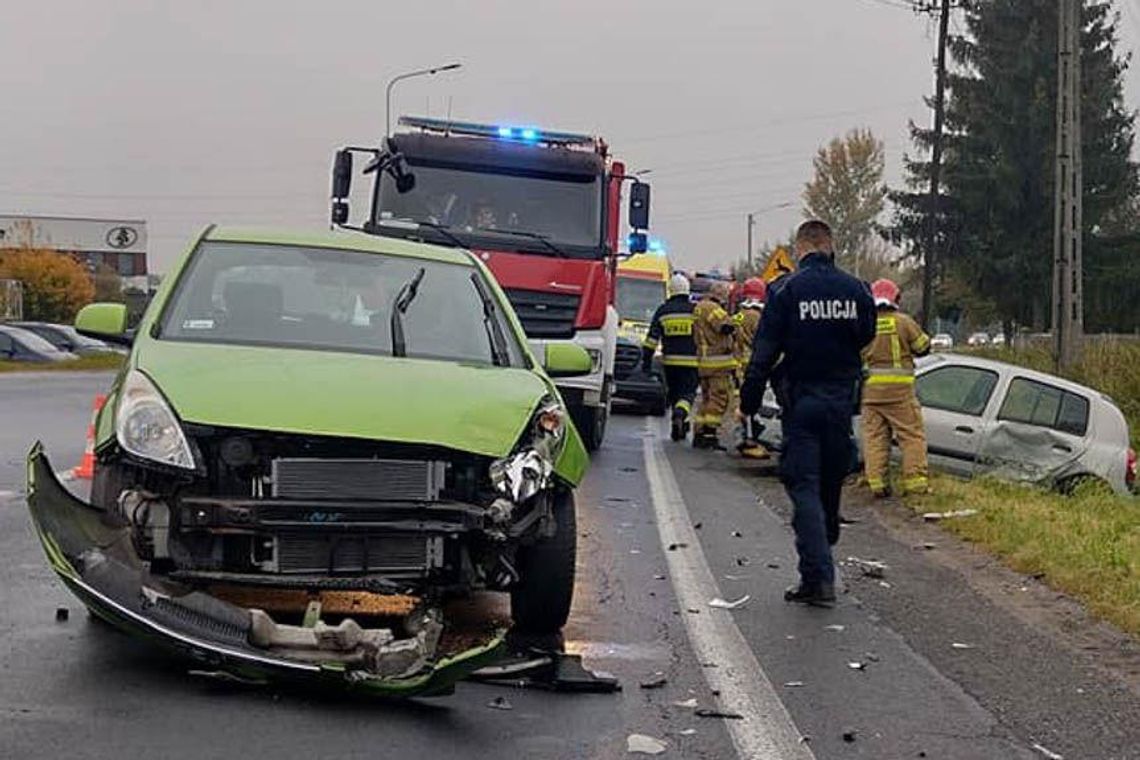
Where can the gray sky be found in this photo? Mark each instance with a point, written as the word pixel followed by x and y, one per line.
pixel 185 113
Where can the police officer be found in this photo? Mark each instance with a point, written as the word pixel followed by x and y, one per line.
pixel 890 407
pixel 819 320
pixel 672 330
pixel 713 330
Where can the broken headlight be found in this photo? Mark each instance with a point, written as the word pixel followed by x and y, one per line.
pixel 524 473
pixel 146 426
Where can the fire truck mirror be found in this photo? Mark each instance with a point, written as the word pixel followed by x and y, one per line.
pixel 342 174
pixel 639 206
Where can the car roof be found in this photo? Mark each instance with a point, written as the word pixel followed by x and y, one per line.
pixel 933 360
pixel 341 240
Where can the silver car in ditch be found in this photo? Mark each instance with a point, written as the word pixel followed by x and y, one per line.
pixel 988 417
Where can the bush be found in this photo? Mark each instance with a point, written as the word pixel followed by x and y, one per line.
pixel 56 286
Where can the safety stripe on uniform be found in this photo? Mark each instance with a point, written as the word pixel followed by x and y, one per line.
pixel 890 380
pixel 680 361
pixel 896 352
pixel 921 343
pixel 885 326
pixel 650 343
pixel 918 483
pixel 718 361
pixel 684 406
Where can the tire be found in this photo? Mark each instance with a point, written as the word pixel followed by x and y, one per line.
pixel 1084 485
pixel 591 424
pixel 540 600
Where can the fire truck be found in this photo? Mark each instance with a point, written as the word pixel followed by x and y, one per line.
pixel 542 209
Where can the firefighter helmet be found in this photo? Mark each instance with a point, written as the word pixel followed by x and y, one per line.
pixel 886 293
pixel 679 284
pixel 753 293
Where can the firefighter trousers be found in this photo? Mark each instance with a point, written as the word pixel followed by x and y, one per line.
pixel 716 398
pixel 902 422
pixel 681 388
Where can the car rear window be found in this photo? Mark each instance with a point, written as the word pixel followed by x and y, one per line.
pixel 1034 403
pixel 956 388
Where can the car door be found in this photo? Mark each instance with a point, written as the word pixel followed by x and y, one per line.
pixel 954 399
pixel 7 348
pixel 1040 430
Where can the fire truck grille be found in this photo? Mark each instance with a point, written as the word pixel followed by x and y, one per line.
pixel 626 359
pixel 545 315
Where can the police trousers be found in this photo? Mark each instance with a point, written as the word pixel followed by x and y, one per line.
pixel 817 458
pixel 716 398
pixel 902 421
pixel 681 387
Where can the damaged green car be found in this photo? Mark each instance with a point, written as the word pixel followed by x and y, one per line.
pixel 318 440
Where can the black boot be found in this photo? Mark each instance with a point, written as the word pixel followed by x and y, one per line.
pixel 815 595
pixel 680 425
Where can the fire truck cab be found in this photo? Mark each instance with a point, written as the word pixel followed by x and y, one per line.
pixel 541 209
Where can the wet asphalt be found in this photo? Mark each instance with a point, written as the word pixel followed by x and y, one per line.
pixel 78 689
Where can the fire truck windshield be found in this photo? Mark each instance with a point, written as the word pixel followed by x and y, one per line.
pixel 474 205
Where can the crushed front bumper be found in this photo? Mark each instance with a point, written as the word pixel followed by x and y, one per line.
pixel 96 560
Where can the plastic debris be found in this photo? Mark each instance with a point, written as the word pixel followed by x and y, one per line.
pixel 884 584
pixel 743 562
pixel 857 665
pixel 678 545
pixel 687 731
pixel 689 703
pixel 849 735
pixel 724 604
pixel 629 469
pixel 616 498
pixel 737 534
pixel 62 614
pixel 705 712
pixel 869 567
pixel 500 703
pixel 835 627
pixel 693 611
pixel 928 546
pixel 736 577
pixel 656 681
pixel 774 565
pixel 659 577
pixel 936 516
pixel 640 744
pixel 959 645
pixel 1047 752
pixel 793 684
pixel 635 551
pixel 697 525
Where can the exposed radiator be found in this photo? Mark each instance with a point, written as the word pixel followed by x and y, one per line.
pixel 397 554
pixel 365 479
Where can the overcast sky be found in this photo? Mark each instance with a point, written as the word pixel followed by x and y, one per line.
pixel 184 113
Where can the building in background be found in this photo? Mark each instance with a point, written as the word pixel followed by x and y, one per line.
pixel 118 244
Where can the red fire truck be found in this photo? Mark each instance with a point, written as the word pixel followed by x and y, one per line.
pixel 542 209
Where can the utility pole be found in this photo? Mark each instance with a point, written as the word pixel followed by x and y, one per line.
pixel 1068 296
pixel 930 258
pixel 751 224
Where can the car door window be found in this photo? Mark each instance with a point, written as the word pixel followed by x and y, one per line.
pixel 1034 403
pixel 956 388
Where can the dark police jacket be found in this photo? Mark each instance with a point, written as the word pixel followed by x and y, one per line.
pixel 672 330
pixel 818 320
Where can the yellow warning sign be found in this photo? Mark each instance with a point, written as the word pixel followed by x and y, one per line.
pixel 779 264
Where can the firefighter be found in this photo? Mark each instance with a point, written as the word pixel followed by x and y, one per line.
pixel 819 321
pixel 672 329
pixel 890 408
pixel 752 295
pixel 713 331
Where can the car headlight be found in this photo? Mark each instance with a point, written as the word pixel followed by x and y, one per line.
pixel 525 473
pixel 146 426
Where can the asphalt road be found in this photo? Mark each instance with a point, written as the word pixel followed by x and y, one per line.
pixel 79 690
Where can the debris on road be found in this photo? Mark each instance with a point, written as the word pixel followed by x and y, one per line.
pixel 659 577
pixel 737 577
pixel 62 614
pixel 835 627
pixel 857 665
pixel 774 565
pixel 616 499
pixel 743 562
pixel 640 744
pixel 959 645
pixel 936 516
pixel 869 567
pixel 712 713
pixel 687 731
pixel 793 684
pixel 849 735
pixel 1047 752
pixel 724 604
pixel 697 525
pixel 737 534
pixel 555 671
pixel 500 703
pixel 678 545
pixel 628 469
pixel 688 703
pixel 656 681
pixel 884 584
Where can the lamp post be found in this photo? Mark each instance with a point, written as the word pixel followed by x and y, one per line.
pixel 752 223
pixel 408 75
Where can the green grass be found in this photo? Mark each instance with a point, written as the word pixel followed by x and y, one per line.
pixel 1086 545
pixel 1110 366
pixel 91 362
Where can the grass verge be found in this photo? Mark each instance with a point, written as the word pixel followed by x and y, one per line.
pixel 88 363
pixel 1086 545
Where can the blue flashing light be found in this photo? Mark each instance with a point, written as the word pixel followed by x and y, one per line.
pixel 506 132
pixel 656 246
pixel 529 134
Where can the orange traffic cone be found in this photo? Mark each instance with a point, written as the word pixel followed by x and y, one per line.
pixel 86 468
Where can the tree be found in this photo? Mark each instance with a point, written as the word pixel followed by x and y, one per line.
pixel 995 216
pixel 847 192
pixel 108 284
pixel 56 286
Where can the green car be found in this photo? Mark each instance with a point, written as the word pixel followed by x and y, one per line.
pixel 313 430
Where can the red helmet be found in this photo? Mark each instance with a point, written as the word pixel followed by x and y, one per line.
pixel 885 292
pixel 754 292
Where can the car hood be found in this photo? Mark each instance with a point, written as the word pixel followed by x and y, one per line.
pixel 482 410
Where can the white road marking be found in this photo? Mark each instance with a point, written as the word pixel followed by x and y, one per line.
pixel 6 495
pixel 767 731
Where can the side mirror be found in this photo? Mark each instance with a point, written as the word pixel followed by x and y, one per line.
pixel 342 174
pixel 567 360
pixel 638 242
pixel 639 206
pixel 104 321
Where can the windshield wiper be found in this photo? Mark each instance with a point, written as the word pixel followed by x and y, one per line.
pixel 531 235
pixel 403 300
pixel 499 351
pixel 442 229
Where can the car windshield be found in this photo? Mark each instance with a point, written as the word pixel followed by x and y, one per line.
pixel 637 299
pixel 333 300
pixel 33 342
pixel 566 210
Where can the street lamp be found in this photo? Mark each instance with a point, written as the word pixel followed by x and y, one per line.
pixel 752 223
pixel 402 77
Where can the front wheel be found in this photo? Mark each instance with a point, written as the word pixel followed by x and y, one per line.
pixel 540 599
pixel 591 423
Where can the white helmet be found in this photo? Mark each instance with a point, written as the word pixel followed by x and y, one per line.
pixel 679 284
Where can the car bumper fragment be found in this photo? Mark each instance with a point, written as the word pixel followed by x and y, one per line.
pixel 95 559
